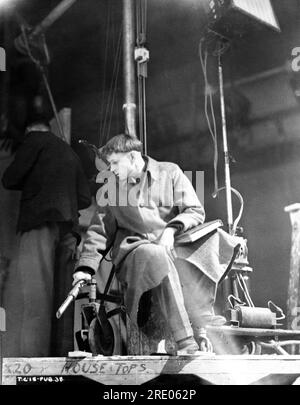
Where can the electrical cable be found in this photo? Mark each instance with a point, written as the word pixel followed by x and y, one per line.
pixel 141 27
pixel 232 297
pixel 108 17
pixel 218 52
pixel 144 17
pixel 115 82
pixel 270 303
pixel 243 291
pixel 140 42
pixel 246 289
pixel 109 108
pixel 207 88
pixel 208 93
pixel 240 197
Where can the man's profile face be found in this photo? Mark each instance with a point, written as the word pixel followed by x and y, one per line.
pixel 121 164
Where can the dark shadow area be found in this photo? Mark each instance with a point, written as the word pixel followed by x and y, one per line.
pixel 172 380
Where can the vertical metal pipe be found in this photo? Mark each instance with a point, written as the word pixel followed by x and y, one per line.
pixel 129 105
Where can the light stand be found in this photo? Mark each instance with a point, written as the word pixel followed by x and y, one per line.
pixel 225 144
pixel 240 270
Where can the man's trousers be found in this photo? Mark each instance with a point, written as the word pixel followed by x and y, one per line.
pixel 184 294
pixel 37 285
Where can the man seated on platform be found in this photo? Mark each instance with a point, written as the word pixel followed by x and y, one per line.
pixel 141 208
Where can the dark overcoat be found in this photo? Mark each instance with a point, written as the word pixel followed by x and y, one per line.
pixel 52 181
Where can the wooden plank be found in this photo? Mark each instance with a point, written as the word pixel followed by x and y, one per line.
pixel 136 370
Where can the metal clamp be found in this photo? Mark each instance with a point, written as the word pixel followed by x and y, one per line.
pixel 141 55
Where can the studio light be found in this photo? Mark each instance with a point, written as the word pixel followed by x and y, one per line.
pixel 7 2
pixel 262 10
pixel 236 17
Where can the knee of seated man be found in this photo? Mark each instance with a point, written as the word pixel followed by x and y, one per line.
pixel 151 252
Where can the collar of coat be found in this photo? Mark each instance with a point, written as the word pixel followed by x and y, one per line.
pixel 152 167
pixel 37 128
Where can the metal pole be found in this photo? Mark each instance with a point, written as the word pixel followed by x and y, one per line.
pixel 56 13
pixel 129 105
pixel 226 153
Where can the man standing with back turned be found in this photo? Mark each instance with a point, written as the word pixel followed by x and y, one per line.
pixel 142 207
pixel 54 188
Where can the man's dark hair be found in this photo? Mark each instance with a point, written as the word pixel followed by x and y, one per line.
pixel 121 144
pixel 39 111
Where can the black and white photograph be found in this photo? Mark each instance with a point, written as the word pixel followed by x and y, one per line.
pixel 149 196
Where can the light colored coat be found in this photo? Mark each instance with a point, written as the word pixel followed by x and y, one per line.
pixel 163 197
pixel 144 218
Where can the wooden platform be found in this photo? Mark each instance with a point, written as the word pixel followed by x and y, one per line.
pixel 152 370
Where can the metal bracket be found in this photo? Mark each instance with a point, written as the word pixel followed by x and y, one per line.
pixel 141 54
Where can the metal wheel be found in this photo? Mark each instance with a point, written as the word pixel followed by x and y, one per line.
pixel 101 338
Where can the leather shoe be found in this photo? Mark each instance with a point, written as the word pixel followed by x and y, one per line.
pixel 187 346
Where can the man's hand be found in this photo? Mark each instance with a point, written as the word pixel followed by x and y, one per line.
pixel 167 240
pixel 81 275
